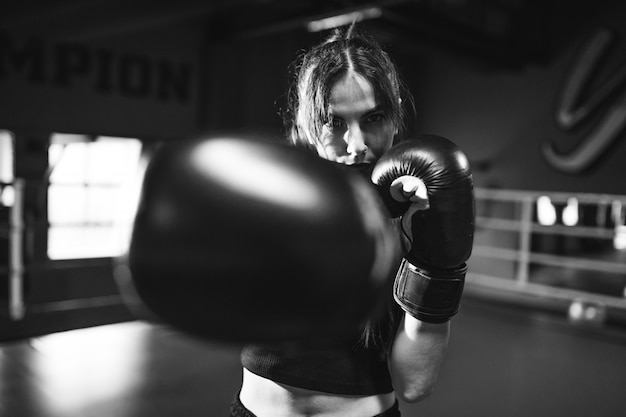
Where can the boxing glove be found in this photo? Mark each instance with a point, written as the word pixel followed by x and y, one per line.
pixel 430 280
pixel 248 240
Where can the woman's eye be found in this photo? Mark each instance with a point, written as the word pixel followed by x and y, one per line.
pixel 376 117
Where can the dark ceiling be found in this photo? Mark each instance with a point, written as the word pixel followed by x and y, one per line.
pixel 511 32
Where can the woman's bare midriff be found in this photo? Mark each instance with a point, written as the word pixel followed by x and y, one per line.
pixel 266 398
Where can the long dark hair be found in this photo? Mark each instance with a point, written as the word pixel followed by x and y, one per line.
pixel 314 74
pixel 316 71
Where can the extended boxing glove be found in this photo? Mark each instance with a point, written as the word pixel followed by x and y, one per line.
pixel 247 240
pixel 430 281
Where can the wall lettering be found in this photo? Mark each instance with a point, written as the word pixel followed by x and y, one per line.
pixel 572 109
pixel 64 65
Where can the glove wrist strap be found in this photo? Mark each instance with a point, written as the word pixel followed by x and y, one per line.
pixel 428 295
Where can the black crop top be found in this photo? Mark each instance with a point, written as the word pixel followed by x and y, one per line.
pixel 343 370
pixel 350 369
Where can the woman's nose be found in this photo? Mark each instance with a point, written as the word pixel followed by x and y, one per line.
pixel 356 141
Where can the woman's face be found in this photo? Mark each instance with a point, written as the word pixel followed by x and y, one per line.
pixel 358 131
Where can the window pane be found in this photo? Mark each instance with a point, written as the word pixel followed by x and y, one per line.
pixel 112 160
pixel 101 203
pixel 71 162
pixel 92 189
pixel 82 242
pixel 6 156
pixel 66 204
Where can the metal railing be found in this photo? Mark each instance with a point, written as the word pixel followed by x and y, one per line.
pixel 509 233
pixel 15 267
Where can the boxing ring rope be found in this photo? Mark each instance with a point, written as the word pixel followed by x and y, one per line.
pixel 16 262
pixel 519 286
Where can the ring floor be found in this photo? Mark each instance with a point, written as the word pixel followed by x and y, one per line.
pixel 502 361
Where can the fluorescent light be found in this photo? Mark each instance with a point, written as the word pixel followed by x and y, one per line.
pixel 570 212
pixel 619 241
pixel 546 212
pixel 344 19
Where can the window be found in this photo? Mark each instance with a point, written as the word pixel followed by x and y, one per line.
pixel 92 195
pixel 6 156
pixel 7 191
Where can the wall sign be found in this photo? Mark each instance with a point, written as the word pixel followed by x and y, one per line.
pixel 103 71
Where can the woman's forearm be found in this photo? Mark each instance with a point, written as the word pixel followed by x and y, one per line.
pixel 416 357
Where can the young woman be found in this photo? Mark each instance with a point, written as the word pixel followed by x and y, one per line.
pixel 347 106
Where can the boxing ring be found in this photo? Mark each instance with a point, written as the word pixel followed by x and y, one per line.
pixel 560 251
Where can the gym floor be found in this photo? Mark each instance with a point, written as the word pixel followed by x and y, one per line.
pixel 503 361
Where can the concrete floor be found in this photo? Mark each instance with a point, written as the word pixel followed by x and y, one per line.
pixel 503 361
